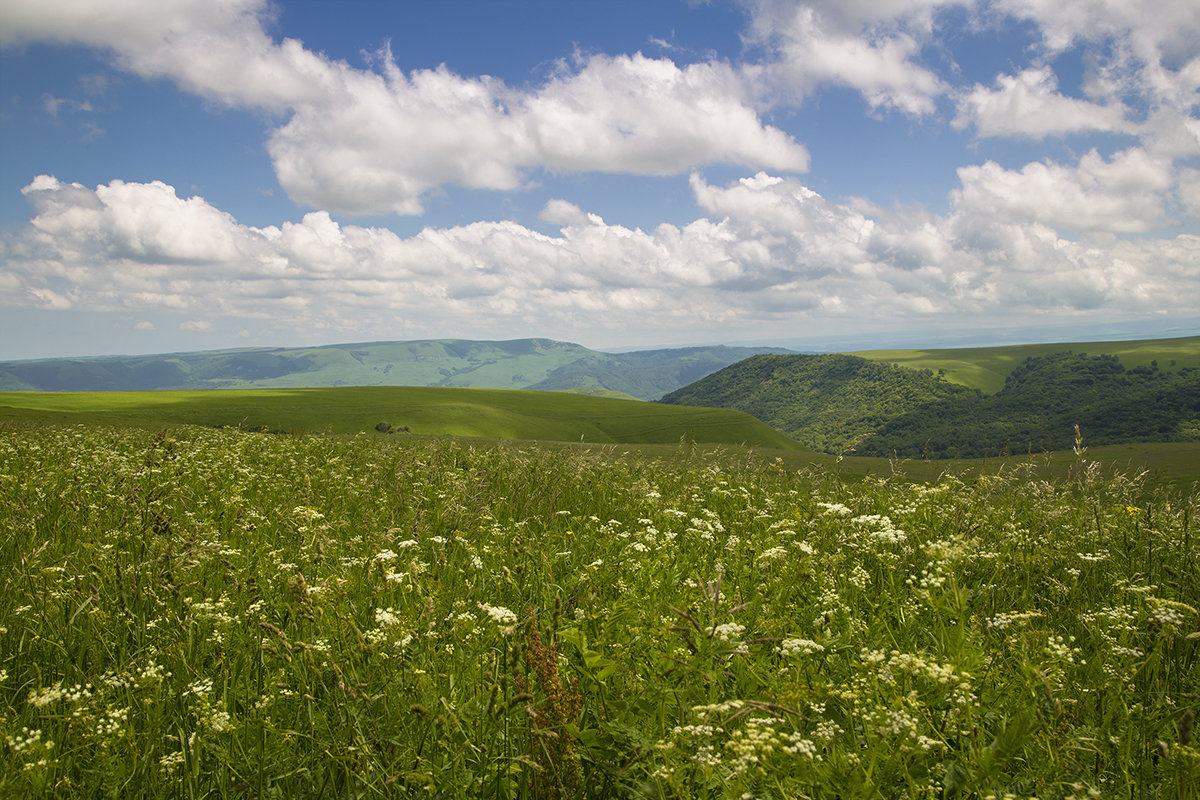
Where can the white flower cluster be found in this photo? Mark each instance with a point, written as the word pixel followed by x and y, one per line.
pixel 752 745
pixel 113 721
pixel 386 617
pixel 835 509
pixel 499 614
pixel 1061 649
pixel 773 553
pixel 25 739
pixel 730 631
pixel 1002 621
pixel 1168 612
pixel 802 747
pixel 796 647
pixel 40 698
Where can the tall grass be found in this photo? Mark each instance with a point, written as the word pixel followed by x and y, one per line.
pixel 209 613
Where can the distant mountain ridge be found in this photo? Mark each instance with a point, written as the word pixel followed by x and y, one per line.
pixel 543 364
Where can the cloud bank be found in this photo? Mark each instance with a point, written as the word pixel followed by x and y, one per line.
pixel 768 249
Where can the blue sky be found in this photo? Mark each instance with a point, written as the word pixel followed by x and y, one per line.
pixel 197 174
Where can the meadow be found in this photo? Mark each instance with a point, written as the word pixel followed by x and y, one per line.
pixel 438 411
pixel 196 612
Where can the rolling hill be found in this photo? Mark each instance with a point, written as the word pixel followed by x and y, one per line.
pixel 826 402
pixel 492 413
pixel 542 364
pixel 836 403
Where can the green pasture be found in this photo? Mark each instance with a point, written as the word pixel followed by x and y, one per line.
pixel 574 421
pixel 985 368
pixel 490 413
pixel 217 613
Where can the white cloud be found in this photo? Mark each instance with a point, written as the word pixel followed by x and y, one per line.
pixel 770 252
pixel 1155 27
pixel 1189 191
pixel 364 141
pixel 561 212
pixel 381 141
pixel 144 326
pixel 1122 195
pixel 874 48
pixel 1029 104
pixel 1140 54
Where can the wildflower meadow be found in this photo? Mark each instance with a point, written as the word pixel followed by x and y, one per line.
pixel 216 613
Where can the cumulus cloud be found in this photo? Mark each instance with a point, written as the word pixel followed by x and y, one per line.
pixel 1189 191
pixel 768 250
pixel 1142 73
pixel 873 48
pixel 374 141
pixel 1121 195
pixel 380 141
pixel 1152 27
pixel 1029 104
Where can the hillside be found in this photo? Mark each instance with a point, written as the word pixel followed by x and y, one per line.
pixel 986 368
pixel 835 402
pixel 518 364
pixel 827 402
pixel 1041 402
pixel 492 413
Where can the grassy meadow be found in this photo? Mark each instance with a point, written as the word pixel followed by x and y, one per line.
pixel 440 411
pixel 210 613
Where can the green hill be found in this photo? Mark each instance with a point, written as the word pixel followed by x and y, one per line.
pixel 492 413
pixel 826 402
pixel 835 402
pixel 1042 401
pixel 518 364
pixel 986 368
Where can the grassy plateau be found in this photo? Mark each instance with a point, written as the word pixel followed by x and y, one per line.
pixel 205 613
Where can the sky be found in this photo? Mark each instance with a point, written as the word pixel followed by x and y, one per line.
pixel 199 174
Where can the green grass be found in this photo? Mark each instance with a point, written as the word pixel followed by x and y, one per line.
pixel 216 613
pixel 985 368
pixel 646 429
pixel 493 413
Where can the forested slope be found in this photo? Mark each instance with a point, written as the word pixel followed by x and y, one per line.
pixel 1039 406
pixel 838 402
pixel 827 402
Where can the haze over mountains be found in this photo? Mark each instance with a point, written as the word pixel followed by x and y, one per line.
pixel 541 364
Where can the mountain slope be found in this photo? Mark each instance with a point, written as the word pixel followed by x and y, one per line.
pixel 517 364
pixel 827 402
pixel 833 403
pixel 1041 403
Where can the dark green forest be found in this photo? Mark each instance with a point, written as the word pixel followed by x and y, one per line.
pixel 841 403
